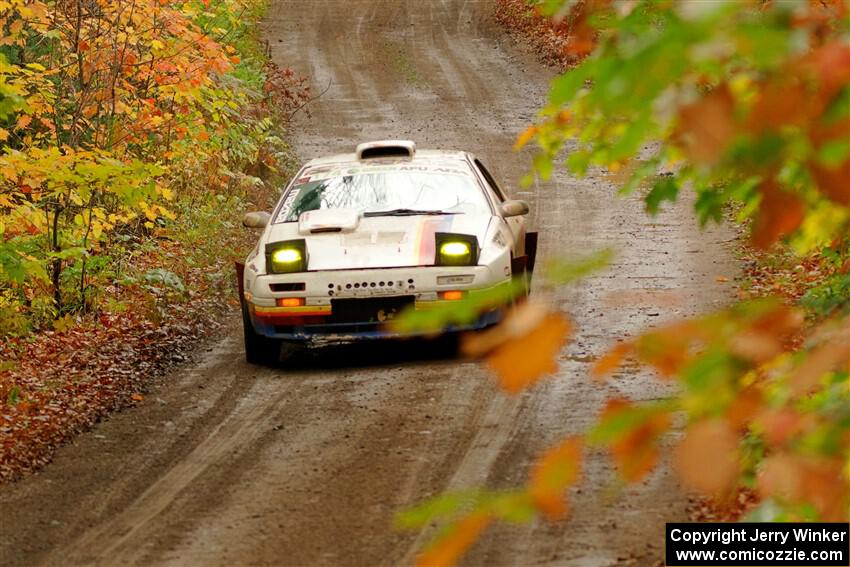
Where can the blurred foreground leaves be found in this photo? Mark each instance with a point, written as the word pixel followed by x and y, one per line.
pixel 747 104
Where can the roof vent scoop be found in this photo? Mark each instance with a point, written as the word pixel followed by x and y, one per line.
pixel 386 149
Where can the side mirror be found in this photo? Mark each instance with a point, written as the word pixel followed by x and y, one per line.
pixel 514 208
pixel 256 220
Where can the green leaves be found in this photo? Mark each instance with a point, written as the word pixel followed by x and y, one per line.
pixel 562 271
pixel 462 312
pixel 665 189
pixel 736 92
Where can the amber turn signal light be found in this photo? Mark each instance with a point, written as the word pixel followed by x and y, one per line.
pixel 289 301
pixel 453 295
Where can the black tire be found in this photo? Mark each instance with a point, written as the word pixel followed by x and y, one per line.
pixel 258 348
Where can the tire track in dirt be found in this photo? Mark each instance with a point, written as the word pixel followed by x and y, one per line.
pixel 112 543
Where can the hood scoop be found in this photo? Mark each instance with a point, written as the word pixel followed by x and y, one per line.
pixel 328 220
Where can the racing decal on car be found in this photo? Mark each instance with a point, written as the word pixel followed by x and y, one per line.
pixel 425 242
pixel 319 175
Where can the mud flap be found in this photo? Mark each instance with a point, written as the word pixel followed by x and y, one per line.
pixel 530 251
pixel 240 280
pixel 519 265
pixel 519 270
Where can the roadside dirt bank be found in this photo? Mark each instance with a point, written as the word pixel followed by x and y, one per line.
pixel 305 465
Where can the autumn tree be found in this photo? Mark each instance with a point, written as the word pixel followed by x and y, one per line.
pixel 109 110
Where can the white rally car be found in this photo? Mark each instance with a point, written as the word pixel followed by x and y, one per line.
pixel 357 238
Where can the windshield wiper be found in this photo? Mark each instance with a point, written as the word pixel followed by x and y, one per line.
pixel 404 213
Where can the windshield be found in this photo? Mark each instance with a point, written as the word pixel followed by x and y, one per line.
pixel 376 192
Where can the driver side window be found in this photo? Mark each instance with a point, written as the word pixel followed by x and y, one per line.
pixel 490 180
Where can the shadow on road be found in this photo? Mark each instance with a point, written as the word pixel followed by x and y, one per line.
pixel 366 354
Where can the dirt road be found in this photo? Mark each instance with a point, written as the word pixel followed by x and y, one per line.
pixel 227 464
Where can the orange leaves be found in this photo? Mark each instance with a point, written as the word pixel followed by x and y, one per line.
pixel 707 126
pixel 755 333
pixel 817 481
pixel 734 369
pixel 523 348
pixel 832 175
pixel 525 137
pixel 172 53
pixel 634 437
pixel 611 360
pixel 801 98
pixel 780 214
pixel 668 349
pixel 828 66
pixel 560 120
pixel 23 121
pixel 793 101
pixel 831 355
pixel 833 180
pixel 781 425
pixel 800 95
pixel 707 458
pixel 551 475
pixel 582 38
pixel 782 101
pixel 746 405
pixel 558 469
pixel 737 375
pixel 765 338
pixel 448 549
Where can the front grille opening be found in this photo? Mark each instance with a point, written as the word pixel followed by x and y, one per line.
pixel 370 310
pixel 297 286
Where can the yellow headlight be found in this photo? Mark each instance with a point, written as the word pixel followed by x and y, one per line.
pixel 454 249
pixel 286 256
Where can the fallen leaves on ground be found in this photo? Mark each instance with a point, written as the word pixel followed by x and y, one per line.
pixel 550 39
pixel 54 385
pixel 67 382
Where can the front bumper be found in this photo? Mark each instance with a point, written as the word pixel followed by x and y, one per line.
pixel 281 328
pixel 419 287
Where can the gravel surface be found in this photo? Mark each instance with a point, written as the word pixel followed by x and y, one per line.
pixel 305 465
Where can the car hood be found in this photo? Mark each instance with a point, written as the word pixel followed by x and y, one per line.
pixel 378 242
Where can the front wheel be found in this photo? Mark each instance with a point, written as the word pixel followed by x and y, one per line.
pixel 259 349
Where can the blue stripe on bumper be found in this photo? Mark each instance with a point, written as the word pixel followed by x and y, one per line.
pixel 358 331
